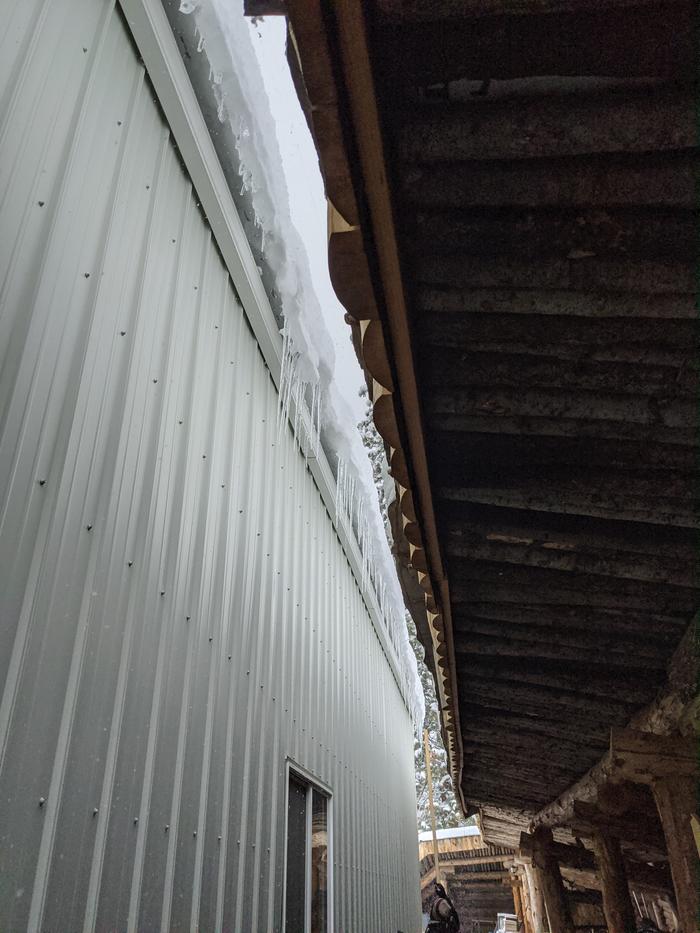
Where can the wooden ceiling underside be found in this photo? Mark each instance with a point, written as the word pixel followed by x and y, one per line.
pixel 547 222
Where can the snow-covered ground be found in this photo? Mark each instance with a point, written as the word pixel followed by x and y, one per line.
pixel 279 170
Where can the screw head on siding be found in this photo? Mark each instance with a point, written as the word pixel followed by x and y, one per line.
pixel 89 527
pixel 187 618
pixel 194 833
pixel 130 563
pixel 219 838
pixel 95 811
pixel 42 482
pixel 86 274
pixel 136 819
pixel 42 801
pixel 41 203
pixel 167 827
pixel 122 333
pixel 162 592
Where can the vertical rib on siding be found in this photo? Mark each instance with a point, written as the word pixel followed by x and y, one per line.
pixel 178 615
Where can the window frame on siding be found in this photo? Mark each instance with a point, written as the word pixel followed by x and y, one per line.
pixel 313 786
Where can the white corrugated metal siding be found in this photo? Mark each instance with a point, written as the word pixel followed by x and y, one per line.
pixel 177 613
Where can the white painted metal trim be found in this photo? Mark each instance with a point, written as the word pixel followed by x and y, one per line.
pixel 158 48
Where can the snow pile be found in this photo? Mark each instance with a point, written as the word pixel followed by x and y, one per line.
pixel 279 171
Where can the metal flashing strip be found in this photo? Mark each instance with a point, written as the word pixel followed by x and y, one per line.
pixel 156 43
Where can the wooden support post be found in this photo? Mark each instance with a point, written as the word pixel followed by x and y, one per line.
pixel 524 899
pixel 676 801
pixel 547 868
pixel 617 903
pixel 518 903
pixel 536 900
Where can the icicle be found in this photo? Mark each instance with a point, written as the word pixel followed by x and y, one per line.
pixel 200 43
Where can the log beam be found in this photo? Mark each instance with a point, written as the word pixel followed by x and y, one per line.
pixel 676 800
pixel 640 757
pixel 535 897
pixel 617 903
pixel 546 869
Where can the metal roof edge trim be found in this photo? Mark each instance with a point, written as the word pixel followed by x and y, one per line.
pixel 156 43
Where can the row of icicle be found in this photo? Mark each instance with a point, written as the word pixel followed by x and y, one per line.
pixel 300 404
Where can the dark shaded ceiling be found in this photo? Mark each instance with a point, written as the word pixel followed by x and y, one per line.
pixel 544 168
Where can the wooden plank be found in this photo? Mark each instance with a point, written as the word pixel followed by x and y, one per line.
pixel 475 644
pixel 539 235
pixel 459 368
pixel 473 524
pixel 648 120
pixel 667 628
pixel 579 638
pixel 589 428
pixel 676 799
pixel 561 678
pixel 589 275
pixel 531 700
pixel 595 180
pixel 418 11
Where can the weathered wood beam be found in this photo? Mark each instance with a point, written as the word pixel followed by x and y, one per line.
pixel 590 275
pixel 536 701
pixel 523 128
pixel 488 729
pixel 492 720
pixel 458 368
pixel 640 757
pixel 676 800
pixel 622 499
pixel 451 868
pixel 535 897
pixel 612 642
pixel 473 643
pixel 455 10
pixel 466 591
pixel 480 571
pixel 533 428
pixel 546 867
pixel 617 903
pixel 560 677
pixel 572 403
pixel 477 525
pixel 596 180
pixel 677 572
pixel 542 234
pixel 645 758
pixel 545 334
pixel 668 628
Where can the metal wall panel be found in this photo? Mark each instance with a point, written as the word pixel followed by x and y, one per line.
pixel 177 614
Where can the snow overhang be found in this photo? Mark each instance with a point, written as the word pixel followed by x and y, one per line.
pixel 365 270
